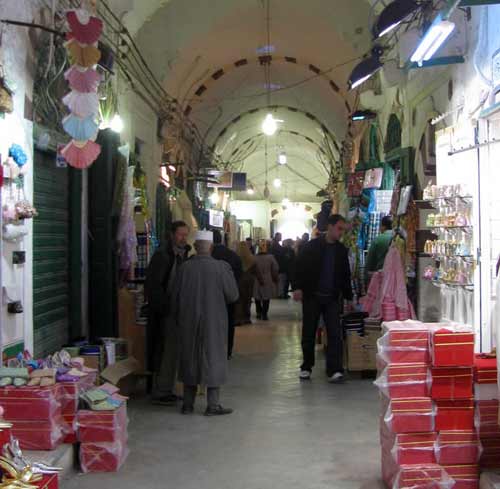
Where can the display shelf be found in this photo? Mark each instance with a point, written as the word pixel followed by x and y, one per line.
pixel 439 283
pixel 438 256
pixel 434 203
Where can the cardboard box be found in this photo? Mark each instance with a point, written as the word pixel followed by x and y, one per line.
pixel 465 476
pixel 126 375
pixel 102 457
pixel 452 383
pixel 411 380
pixel 454 415
pixel 408 346
pixel 362 349
pixel 415 449
pixel 452 348
pixel 410 415
pixel 422 477
pixel 458 447
pixel 39 435
pixel 102 426
pixel 50 481
pixel 30 403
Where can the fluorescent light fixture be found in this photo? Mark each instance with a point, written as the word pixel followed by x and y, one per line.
pixel 270 125
pixel 433 39
pixel 116 124
pixel 277 183
pixel 366 69
pixel 214 198
pixel 363 115
pixel 282 158
pixel 392 16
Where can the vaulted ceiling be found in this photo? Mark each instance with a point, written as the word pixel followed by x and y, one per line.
pixel 209 55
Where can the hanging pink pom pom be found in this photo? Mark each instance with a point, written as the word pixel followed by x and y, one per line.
pixel 84 81
pixel 87 33
pixel 81 154
pixel 82 104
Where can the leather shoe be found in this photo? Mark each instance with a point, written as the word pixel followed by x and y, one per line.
pixel 217 411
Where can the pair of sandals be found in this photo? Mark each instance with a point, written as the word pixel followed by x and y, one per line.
pixel 45 377
pixel 103 398
pixel 12 376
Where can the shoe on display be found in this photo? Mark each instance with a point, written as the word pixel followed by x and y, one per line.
pixel 217 411
pixel 337 378
pixel 305 375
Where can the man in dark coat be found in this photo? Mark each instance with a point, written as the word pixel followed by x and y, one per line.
pixel 278 251
pixel 162 339
pixel 203 289
pixel 322 280
pixel 222 252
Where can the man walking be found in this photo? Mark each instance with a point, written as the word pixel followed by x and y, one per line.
pixel 222 252
pixel 379 247
pixel 204 287
pixel 279 254
pixel 289 261
pixel 162 340
pixel 322 280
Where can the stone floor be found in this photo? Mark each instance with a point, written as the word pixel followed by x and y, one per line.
pixel 284 434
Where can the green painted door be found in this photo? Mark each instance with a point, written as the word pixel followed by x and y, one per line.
pixel 51 255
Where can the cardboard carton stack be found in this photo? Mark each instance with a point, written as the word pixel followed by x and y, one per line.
pixel 427 429
pixel 487 405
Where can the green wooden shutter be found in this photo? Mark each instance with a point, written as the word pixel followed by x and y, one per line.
pixel 51 255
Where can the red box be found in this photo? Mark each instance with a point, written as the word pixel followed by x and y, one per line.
pixel 102 426
pixel 452 383
pixel 485 370
pixel 415 449
pixel 452 349
pixel 458 447
pixel 465 476
pixel 455 415
pixel 5 436
pixel 411 415
pixel 408 346
pixel 39 435
pixel 408 380
pixel 102 457
pixel 30 403
pixel 69 393
pixel 487 412
pixel 422 477
pixel 69 429
pixel 48 482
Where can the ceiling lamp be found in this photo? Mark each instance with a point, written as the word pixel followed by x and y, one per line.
pixel 277 183
pixel 214 198
pixel 282 158
pixel 433 39
pixel 393 15
pixel 267 193
pixel 285 202
pixel 250 190
pixel 270 125
pixel 363 115
pixel 116 124
pixel 366 69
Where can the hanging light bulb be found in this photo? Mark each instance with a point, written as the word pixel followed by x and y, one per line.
pixel 250 190
pixel 285 202
pixel 282 158
pixel 116 124
pixel 277 183
pixel 270 125
pixel 214 198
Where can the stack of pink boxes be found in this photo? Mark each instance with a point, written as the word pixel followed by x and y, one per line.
pixel 427 428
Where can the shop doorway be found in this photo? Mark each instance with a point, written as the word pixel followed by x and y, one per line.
pixel 56 255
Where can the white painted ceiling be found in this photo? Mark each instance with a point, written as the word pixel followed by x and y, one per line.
pixel 187 41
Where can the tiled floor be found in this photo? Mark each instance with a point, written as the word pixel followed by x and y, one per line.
pixel 283 435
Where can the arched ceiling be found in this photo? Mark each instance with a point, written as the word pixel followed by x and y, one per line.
pixel 210 55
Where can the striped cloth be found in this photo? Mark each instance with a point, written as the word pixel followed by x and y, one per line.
pixel 373 227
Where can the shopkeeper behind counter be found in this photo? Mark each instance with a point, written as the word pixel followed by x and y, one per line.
pixel 380 246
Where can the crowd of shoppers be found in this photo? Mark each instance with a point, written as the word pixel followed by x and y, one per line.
pixel 194 304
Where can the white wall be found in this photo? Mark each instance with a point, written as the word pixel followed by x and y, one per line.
pixel 295 220
pixel 258 211
pixel 16 52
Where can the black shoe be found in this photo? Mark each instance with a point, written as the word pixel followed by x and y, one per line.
pixel 217 411
pixel 168 400
pixel 259 317
pixel 265 318
pixel 187 410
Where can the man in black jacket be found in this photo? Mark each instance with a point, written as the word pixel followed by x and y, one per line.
pixel 222 252
pixel 162 338
pixel 322 280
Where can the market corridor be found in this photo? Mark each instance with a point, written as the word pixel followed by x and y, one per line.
pixel 283 435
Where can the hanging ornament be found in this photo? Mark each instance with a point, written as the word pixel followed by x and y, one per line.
pixel 82 104
pixel 81 154
pixel 79 128
pixel 83 80
pixel 84 28
pixel 85 56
